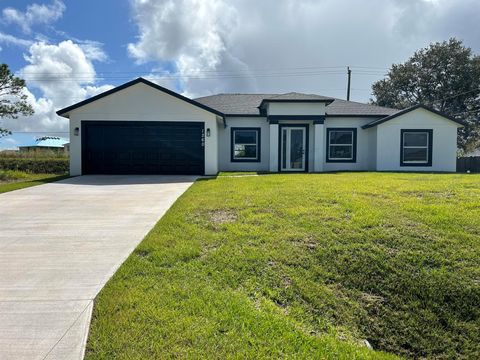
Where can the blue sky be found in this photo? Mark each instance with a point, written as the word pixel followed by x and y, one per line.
pixel 109 24
pixel 71 50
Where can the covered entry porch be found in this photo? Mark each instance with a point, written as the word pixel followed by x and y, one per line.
pixel 296 143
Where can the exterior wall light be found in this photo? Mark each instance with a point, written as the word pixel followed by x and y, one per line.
pixel 208 132
pixel 76 131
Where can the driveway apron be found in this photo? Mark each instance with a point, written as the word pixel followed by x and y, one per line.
pixel 59 244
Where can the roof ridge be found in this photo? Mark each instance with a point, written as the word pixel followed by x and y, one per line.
pixel 238 93
pixel 409 109
pixel 289 93
pixel 362 103
pixel 64 112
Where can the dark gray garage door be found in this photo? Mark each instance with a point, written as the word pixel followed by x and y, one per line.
pixel 142 147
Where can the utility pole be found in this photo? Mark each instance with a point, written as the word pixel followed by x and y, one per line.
pixel 349 72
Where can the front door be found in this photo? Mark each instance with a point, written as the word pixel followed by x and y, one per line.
pixel 293 148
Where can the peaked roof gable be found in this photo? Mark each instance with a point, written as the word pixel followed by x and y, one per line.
pixel 407 110
pixel 64 112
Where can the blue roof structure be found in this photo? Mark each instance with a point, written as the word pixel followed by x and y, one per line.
pixel 48 142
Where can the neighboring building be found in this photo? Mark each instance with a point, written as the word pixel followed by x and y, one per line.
pixel 143 128
pixel 47 143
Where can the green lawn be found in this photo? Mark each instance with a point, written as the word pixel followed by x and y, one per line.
pixel 237 173
pixel 302 266
pixel 14 180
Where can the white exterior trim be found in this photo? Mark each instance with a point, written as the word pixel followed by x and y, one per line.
pixel 319 149
pixel 274 147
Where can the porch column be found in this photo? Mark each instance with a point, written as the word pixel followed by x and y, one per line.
pixel 273 147
pixel 319 148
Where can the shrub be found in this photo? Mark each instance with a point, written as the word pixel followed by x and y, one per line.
pixel 8 175
pixel 34 154
pixel 40 165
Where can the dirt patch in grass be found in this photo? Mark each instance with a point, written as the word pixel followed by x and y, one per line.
pixel 219 217
pixel 309 242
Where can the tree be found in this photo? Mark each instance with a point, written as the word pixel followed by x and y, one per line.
pixel 13 101
pixel 445 76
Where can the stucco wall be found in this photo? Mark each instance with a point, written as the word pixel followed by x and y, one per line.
pixel 366 143
pixel 444 141
pixel 224 145
pixel 224 142
pixel 141 102
pixel 378 148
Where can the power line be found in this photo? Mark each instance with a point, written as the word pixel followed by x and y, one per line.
pixel 249 70
pixel 201 74
pixel 466 112
pixel 457 95
pixel 76 78
pixel 190 77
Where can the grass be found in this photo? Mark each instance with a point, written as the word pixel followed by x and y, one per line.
pixel 238 173
pixel 302 266
pixel 13 180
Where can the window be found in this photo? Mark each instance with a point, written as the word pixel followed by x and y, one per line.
pixel 341 144
pixel 245 144
pixel 416 148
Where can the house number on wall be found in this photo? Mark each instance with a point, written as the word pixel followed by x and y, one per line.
pixel 203 137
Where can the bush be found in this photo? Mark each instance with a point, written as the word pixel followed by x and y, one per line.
pixel 9 175
pixel 34 154
pixel 40 165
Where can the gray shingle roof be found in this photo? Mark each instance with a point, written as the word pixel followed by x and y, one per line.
pixel 247 104
pixel 235 103
pixel 407 110
pixel 343 107
pixel 298 96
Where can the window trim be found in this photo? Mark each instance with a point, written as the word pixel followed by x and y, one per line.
pixel 429 147
pixel 232 144
pixel 354 146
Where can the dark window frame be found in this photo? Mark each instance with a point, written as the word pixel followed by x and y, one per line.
pixel 232 144
pixel 429 147
pixel 354 146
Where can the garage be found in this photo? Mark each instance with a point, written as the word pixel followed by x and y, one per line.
pixel 142 128
pixel 143 147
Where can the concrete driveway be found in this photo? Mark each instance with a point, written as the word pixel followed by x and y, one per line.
pixel 59 244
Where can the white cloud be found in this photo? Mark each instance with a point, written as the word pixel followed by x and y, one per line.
pixel 33 15
pixel 93 50
pixel 213 40
pixel 13 40
pixel 193 34
pixel 64 74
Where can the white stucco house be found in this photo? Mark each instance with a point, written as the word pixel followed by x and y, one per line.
pixel 143 128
